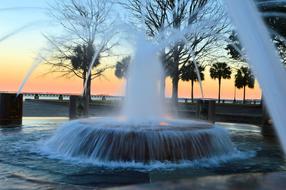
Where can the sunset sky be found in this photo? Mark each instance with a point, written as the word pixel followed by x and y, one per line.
pixel 18 52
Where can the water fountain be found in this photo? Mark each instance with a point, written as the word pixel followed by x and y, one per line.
pixel 142 134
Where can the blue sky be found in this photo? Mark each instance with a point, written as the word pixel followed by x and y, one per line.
pixel 21 12
pixel 15 14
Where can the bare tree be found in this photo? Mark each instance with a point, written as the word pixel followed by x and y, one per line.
pixel 86 39
pixel 205 19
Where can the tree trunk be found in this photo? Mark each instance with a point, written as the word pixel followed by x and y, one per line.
pixel 244 91
pixel 192 92
pixel 175 77
pixel 163 87
pixel 219 86
pixel 86 95
pixel 234 96
pixel 176 55
pixel 175 84
pixel 163 76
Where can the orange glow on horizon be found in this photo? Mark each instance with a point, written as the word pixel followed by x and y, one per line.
pixel 14 66
pixel 10 79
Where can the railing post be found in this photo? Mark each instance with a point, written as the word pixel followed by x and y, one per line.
pixel 74 107
pixel 61 98
pixel 211 110
pixel 199 108
pixel 267 129
pixel 11 109
pixel 78 107
pixel 36 97
pixel 206 110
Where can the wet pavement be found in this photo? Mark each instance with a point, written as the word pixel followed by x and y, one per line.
pixel 252 181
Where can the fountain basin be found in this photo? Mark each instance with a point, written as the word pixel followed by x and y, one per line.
pixel 108 140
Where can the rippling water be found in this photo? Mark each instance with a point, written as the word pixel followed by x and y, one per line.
pixel 23 166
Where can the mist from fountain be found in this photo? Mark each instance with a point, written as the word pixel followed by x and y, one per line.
pixel 143 100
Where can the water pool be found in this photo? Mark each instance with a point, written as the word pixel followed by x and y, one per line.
pixel 24 166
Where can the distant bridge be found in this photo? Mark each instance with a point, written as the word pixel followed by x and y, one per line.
pixel 65 96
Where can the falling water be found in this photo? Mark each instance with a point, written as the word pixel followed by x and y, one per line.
pixel 263 58
pixel 110 140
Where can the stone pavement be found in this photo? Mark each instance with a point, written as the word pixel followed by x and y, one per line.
pixel 251 181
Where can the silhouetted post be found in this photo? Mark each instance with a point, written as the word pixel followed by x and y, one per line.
pixel 199 108
pixel 73 107
pixel 267 128
pixel 211 110
pixel 77 107
pixel 11 109
pixel 206 110
pixel 61 98
pixel 36 97
pixel 85 104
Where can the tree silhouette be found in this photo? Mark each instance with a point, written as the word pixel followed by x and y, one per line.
pixel 244 78
pixel 220 71
pixel 80 59
pixel 274 16
pixel 157 16
pixel 121 67
pixel 189 73
pixel 234 48
pixel 84 23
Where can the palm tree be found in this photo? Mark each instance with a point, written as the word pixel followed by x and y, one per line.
pixel 244 78
pixel 220 71
pixel 189 73
pixel 122 67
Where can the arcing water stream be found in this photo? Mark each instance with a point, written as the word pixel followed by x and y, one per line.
pixel 264 60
